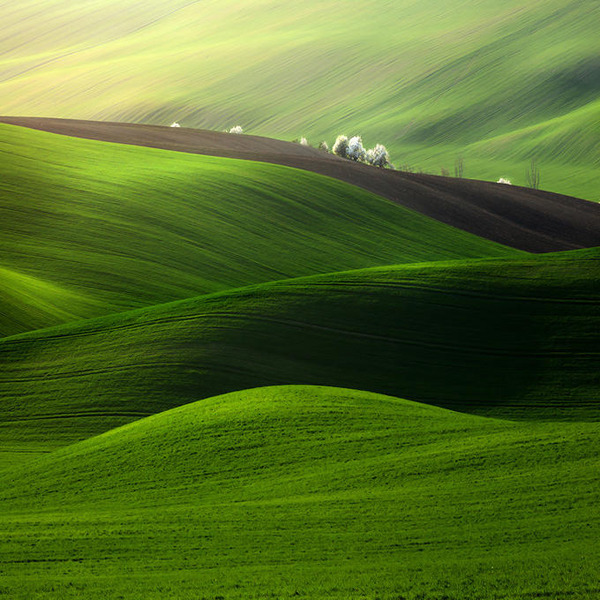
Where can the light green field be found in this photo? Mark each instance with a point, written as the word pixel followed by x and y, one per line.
pixel 308 492
pixel 89 228
pixel 498 84
pixel 515 339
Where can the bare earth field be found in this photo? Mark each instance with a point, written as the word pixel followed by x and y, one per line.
pixel 531 220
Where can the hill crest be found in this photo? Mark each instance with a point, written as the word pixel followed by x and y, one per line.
pixel 523 218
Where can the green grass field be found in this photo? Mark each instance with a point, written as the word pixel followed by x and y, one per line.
pixel 89 228
pixel 308 492
pixel 495 84
pixel 229 380
pixel 514 339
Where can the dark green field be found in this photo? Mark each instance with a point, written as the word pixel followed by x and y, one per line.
pixel 224 379
pixel 512 339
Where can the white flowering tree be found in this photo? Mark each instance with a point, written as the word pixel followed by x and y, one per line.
pixel 505 181
pixel 175 124
pixel 303 141
pixel 340 147
pixel 378 156
pixel 237 129
pixel 356 150
pixel 324 146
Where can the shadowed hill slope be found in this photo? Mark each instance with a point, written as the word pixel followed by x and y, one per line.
pixel 523 218
pixel 116 227
pixel 312 491
pixel 517 339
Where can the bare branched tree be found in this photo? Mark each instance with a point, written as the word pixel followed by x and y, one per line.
pixel 459 167
pixel 533 175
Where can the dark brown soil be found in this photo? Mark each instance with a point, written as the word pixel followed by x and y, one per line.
pixel 523 218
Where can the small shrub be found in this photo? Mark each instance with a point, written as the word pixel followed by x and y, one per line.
pixel 175 124
pixel 324 146
pixel 303 141
pixel 445 172
pixel 505 181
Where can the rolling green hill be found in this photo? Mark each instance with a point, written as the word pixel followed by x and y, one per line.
pixel 509 338
pixel 308 492
pixel 93 228
pixel 498 84
pixel 223 379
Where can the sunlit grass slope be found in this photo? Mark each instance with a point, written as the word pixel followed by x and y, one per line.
pixel 518 339
pixel 30 303
pixel 308 492
pixel 498 83
pixel 112 227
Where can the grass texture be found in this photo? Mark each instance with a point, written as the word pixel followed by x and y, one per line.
pixel 147 297
pixel 497 84
pixel 308 492
pixel 89 228
pixel 506 338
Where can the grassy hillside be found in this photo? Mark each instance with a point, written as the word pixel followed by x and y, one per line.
pixel 496 84
pixel 528 219
pixel 223 379
pixel 31 303
pixel 312 492
pixel 88 228
pixel 517 339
